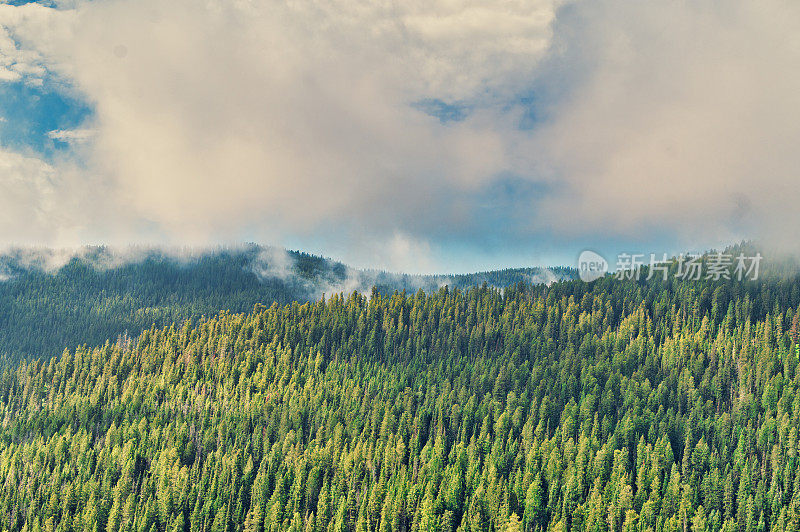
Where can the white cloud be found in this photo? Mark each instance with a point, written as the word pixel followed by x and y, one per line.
pixel 289 117
pixel 683 119
pixel 17 63
pixel 58 204
pixel 409 254
pixel 71 135
pixel 253 119
pixel 27 196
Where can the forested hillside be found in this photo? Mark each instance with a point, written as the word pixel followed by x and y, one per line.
pixel 101 293
pixel 611 406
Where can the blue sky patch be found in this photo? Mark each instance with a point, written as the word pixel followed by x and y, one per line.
pixel 23 2
pixel 30 112
pixel 445 112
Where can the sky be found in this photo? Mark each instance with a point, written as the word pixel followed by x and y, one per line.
pixel 420 136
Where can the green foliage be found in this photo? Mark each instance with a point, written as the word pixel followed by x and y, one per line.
pixel 607 407
pixel 101 295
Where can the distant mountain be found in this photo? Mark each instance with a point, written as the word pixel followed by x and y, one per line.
pixel 51 299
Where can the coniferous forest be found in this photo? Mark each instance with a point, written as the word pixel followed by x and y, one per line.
pixel 99 294
pixel 620 405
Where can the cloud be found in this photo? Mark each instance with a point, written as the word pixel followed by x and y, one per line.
pixel 386 127
pixel 58 204
pixel 286 119
pixel 71 135
pixel 675 117
pixel 27 195
pixel 17 63
pixel 273 262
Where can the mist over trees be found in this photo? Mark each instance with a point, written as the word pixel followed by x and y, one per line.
pixel 616 405
pixel 51 300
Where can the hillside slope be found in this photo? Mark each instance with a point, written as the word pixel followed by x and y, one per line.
pixel 611 406
pixel 48 302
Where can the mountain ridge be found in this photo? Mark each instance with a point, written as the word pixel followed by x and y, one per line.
pixel 52 299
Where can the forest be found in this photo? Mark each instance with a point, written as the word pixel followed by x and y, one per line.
pixel 101 294
pixel 619 405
